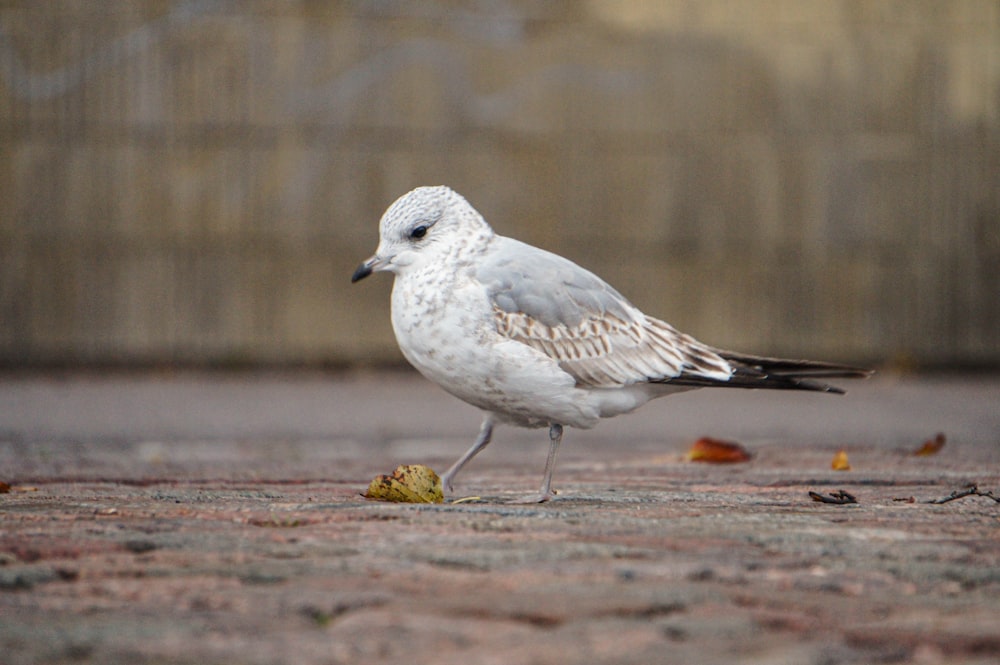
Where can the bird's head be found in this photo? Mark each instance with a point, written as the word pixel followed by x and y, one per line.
pixel 424 226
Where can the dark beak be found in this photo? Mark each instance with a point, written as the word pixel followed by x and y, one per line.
pixel 365 269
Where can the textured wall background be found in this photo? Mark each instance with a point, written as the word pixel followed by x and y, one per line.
pixel 195 181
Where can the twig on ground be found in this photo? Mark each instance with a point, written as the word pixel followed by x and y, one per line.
pixel 971 490
pixel 840 497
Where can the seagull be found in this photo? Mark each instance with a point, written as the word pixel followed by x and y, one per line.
pixel 534 340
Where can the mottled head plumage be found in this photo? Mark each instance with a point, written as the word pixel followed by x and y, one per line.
pixel 423 205
pixel 423 226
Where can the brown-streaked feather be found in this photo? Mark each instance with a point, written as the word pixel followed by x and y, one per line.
pixel 609 351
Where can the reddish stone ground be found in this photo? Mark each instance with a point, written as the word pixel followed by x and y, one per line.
pixel 205 519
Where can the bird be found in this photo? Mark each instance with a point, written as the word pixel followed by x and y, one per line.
pixel 534 340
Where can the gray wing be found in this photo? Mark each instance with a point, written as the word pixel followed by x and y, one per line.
pixel 574 317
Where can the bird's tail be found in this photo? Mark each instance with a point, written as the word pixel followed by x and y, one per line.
pixel 777 374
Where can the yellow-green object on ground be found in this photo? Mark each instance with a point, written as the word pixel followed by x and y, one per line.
pixel 409 483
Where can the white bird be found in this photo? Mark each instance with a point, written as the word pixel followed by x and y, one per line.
pixel 534 340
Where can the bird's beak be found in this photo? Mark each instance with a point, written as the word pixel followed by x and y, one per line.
pixel 367 268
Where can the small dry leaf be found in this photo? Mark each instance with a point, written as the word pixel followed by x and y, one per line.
pixel 840 462
pixel 932 446
pixel 409 483
pixel 716 451
pixel 840 497
pixel 4 487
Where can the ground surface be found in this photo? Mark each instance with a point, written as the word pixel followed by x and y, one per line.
pixel 205 519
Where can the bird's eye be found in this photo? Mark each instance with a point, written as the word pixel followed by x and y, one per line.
pixel 418 232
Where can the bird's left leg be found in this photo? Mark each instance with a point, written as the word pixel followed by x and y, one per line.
pixel 546 493
pixel 483 440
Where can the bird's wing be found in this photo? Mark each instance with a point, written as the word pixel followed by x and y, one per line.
pixel 574 317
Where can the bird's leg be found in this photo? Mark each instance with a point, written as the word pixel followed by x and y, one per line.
pixel 483 440
pixel 546 493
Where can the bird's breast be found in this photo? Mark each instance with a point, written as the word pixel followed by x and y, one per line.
pixel 440 327
pixel 449 334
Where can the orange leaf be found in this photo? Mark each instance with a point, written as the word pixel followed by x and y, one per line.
pixel 931 446
pixel 840 462
pixel 715 451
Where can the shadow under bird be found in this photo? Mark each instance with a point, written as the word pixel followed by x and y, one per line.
pixel 534 340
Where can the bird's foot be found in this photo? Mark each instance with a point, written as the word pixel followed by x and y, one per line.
pixel 539 497
pixel 446 486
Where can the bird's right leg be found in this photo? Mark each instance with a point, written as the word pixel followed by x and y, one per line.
pixel 546 493
pixel 483 440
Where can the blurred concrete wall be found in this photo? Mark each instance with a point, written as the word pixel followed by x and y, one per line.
pixel 194 181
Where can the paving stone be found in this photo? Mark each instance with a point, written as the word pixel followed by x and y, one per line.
pixel 211 548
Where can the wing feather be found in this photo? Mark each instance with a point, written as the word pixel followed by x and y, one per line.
pixel 597 336
pixel 594 333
